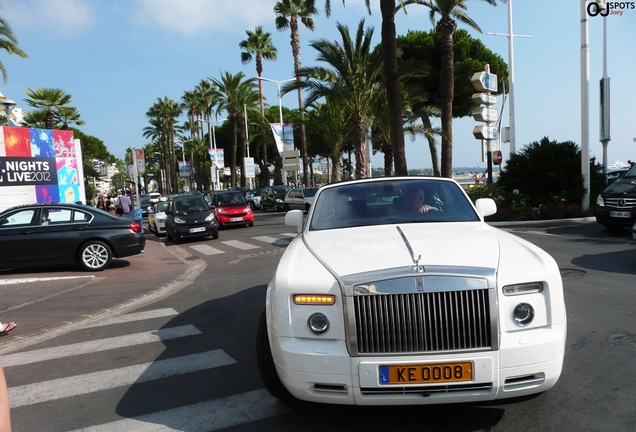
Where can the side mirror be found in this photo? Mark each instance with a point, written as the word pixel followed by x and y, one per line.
pixel 168 211
pixel 295 218
pixel 486 207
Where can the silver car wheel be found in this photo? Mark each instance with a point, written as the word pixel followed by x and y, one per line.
pixel 95 256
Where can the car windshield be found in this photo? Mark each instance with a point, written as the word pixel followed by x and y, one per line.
pixel 161 207
pixel 281 189
pixel 631 173
pixel 190 205
pixel 231 199
pixel 390 201
pixel 309 192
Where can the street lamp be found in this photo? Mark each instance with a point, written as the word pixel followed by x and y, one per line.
pixel 212 139
pixel 7 106
pixel 280 103
pixel 280 115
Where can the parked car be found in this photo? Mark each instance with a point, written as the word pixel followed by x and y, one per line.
pixel 396 292
pixel 273 197
pixel 231 208
pixel 145 206
pixel 616 205
pixel 300 198
pixel 154 197
pixel 190 216
pixel 253 197
pixel 615 174
pixel 44 235
pixel 157 218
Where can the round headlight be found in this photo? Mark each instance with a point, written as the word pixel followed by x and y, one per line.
pixel 523 314
pixel 318 324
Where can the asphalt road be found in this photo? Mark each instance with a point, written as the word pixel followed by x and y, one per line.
pixel 180 355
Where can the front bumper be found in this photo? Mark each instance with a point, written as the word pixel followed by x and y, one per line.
pixel 322 371
pixel 606 216
pixel 190 231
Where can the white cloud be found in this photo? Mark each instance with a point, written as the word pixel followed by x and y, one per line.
pixel 192 17
pixel 63 17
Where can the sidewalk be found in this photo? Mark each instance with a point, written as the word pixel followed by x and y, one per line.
pixel 48 301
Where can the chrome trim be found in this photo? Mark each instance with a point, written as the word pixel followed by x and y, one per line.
pixel 416 267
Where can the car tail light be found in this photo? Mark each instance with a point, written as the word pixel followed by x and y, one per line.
pixel 135 227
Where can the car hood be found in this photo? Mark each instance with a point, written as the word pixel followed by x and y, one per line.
pixel 358 250
pixel 193 217
pixel 234 209
pixel 622 186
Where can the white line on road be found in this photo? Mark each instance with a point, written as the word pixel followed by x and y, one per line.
pixel 43 354
pixel 289 234
pixel 202 417
pixel 138 316
pixel 273 240
pixel 207 250
pixel 39 279
pixel 45 391
pixel 240 245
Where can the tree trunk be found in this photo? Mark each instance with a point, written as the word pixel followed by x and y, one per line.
pixel 392 84
pixel 446 28
pixel 432 146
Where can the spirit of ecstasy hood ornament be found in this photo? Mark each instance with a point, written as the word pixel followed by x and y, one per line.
pixel 416 267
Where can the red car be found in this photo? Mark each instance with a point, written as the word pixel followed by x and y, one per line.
pixel 231 208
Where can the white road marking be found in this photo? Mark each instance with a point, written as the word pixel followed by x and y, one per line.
pixel 289 234
pixel 266 239
pixel 202 417
pixel 45 391
pixel 39 279
pixel 240 245
pixel 43 354
pixel 138 316
pixel 273 240
pixel 207 250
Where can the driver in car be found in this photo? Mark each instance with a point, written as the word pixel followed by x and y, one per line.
pixel 415 201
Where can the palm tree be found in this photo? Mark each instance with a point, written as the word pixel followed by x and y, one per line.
pixel 163 115
pixel 9 43
pixel 50 100
pixel 391 79
pixel 354 75
pixel 234 91
pixel 66 115
pixel 287 14
pixel 449 11
pixel 260 46
pixel 331 121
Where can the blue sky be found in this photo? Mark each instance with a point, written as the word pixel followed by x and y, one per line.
pixel 117 57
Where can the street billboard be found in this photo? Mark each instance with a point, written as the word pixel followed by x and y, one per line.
pixel 39 165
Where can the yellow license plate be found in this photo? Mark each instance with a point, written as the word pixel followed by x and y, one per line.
pixel 426 373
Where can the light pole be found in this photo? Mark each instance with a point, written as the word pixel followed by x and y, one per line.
pixel 7 106
pixel 212 139
pixel 585 107
pixel 511 78
pixel 280 115
pixel 183 159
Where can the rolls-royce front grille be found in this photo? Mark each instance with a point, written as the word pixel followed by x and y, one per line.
pixel 422 322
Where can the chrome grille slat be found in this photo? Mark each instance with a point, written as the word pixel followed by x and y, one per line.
pixel 422 322
pixel 630 203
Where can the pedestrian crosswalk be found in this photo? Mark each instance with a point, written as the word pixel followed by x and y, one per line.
pixel 209 415
pixel 217 247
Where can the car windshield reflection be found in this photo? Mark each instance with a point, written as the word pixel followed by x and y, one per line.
pixel 390 201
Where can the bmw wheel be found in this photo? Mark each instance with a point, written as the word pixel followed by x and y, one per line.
pixel 95 255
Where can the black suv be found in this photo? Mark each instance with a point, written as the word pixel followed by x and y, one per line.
pixel 616 205
pixel 273 197
pixel 188 217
